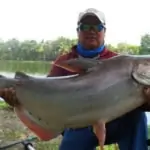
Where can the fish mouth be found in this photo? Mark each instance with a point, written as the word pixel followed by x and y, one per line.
pixel 142 74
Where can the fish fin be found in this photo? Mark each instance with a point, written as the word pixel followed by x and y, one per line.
pixel 20 74
pixel 141 74
pixel 100 132
pixel 38 130
pixel 1 76
pixel 78 65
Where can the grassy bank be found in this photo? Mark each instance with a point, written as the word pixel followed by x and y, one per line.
pixel 12 129
pixel 3 105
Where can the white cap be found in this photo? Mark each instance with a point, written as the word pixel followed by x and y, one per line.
pixel 91 11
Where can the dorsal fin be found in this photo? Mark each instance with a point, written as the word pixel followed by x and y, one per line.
pixel 1 76
pixel 20 74
pixel 78 65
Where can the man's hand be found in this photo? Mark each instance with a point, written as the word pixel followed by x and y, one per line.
pixel 146 106
pixel 9 95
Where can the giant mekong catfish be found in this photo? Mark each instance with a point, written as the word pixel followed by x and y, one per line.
pixel 100 92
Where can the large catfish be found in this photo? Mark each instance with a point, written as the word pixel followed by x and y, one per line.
pixel 100 92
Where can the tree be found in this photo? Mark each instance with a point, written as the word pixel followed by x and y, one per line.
pixel 145 44
pixel 14 49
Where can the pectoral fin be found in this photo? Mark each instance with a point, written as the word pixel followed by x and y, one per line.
pixel 78 65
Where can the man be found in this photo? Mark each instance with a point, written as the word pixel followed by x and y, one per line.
pixel 130 130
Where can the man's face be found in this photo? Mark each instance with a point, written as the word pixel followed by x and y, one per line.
pixel 91 32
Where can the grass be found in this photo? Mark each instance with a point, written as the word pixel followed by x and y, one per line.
pixel 12 129
pixel 3 105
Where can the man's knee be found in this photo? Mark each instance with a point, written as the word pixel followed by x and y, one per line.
pixel 79 139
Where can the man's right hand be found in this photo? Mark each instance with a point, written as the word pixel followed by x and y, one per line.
pixel 9 95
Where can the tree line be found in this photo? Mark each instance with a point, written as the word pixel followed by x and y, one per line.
pixel 31 50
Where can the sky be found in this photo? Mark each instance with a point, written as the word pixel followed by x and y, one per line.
pixel 126 20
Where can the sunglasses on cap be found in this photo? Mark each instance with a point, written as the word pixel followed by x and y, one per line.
pixel 86 27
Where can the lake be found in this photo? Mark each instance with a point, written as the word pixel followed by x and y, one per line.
pixel 32 67
pixel 38 68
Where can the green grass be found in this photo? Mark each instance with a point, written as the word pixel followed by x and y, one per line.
pixel 3 105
